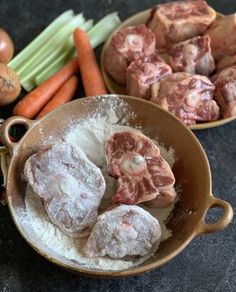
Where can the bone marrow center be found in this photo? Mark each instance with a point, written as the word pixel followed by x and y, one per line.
pixel 133 164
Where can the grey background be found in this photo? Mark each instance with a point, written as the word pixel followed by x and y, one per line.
pixel 207 264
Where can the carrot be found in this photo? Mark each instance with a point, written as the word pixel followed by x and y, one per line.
pixel 33 102
pixel 63 95
pixel 89 69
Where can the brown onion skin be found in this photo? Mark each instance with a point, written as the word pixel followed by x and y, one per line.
pixel 9 85
pixel 6 47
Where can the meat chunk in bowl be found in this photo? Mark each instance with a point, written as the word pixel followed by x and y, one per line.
pixel 193 56
pixel 127 45
pixel 223 36
pixel 178 21
pixel 124 231
pixel 225 93
pixel 142 172
pixel 189 97
pixel 141 74
pixel 70 185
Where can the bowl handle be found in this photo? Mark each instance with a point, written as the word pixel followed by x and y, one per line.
pixel 222 222
pixel 5 127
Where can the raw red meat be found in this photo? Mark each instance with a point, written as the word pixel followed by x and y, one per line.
pixel 178 21
pixel 225 93
pixel 70 186
pixel 223 36
pixel 127 45
pixel 187 96
pixel 164 200
pixel 141 171
pixel 142 73
pixel 124 231
pixel 193 56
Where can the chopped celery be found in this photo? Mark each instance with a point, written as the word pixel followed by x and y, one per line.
pixel 97 35
pixel 44 36
pixel 28 82
pixel 58 38
pixel 55 66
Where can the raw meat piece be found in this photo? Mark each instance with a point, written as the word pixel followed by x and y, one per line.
pixel 70 186
pixel 127 45
pixel 225 93
pixel 142 73
pixel 223 36
pixel 124 231
pixel 178 21
pixel 141 171
pixel 193 56
pixel 227 61
pixel 187 96
pixel 164 200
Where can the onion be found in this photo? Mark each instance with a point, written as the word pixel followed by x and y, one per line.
pixel 9 85
pixel 6 47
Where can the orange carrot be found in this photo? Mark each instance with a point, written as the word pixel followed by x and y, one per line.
pixel 33 102
pixel 63 95
pixel 89 69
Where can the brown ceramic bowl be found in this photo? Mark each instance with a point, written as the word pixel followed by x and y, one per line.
pixel 116 88
pixel 191 170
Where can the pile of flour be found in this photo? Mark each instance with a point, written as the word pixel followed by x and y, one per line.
pixel 90 135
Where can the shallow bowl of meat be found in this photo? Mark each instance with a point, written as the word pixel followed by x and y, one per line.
pixel 151 46
pixel 68 206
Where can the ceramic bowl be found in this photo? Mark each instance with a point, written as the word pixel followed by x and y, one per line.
pixel 191 170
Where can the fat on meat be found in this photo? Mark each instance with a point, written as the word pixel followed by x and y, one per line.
pixel 123 231
pixel 141 171
pixel 193 56
pixel 127 45
pixel 189 97
pixel 225 92
pixel 223 36
pixel 178 21
pixel 70 185
pixel 142 73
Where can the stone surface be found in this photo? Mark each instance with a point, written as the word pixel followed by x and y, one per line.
pixel 207 264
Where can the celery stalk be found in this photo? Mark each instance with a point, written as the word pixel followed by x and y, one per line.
pixel 55 66
pixel 28 80
pixel 50 45
pixel 97 35
pixel 44 36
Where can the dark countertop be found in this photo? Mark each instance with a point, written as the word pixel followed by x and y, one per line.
pixel 207 264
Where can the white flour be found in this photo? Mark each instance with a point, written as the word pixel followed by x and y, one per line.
pixel 90 136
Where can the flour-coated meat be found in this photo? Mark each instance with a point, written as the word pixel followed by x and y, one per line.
pixel 127 45
pixel 124 231
pixel 142 172
pixel 71 186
